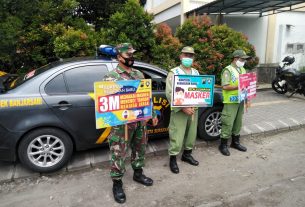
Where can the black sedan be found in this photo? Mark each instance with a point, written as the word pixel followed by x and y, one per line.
pixel 48 113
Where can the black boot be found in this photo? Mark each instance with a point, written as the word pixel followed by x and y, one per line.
pixel 118 192
pixel 139 177
pixel 187 157
pixel 223 147
pixel 235 143
pixel 173 164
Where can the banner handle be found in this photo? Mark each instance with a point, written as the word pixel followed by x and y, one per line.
pixel 126 132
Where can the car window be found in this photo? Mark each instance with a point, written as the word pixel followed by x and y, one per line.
pixel 33 73
pixel 158 80
pixel 56 86
pixel 81 79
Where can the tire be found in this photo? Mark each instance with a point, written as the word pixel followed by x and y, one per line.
pixel 277 88
pixel 45 150
pixel 209 124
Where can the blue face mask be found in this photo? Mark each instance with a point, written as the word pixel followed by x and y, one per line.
pixel 187 62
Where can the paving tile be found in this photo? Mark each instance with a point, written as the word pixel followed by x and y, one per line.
pixel 6 171
pixel 245 131
pixel 269 129
pixel 255 129
pixel 281 125
pixel 80 160
pixel 291 122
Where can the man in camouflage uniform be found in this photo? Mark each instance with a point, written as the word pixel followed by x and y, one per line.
pixel 137 136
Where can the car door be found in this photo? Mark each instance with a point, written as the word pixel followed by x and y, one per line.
pixel 70 96
pixel 161 104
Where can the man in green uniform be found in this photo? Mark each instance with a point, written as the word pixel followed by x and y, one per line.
pixel 233 111
pixel 137 136
pixel 183 121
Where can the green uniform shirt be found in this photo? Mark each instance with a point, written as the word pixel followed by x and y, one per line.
pixel 121 74
pixel 226 76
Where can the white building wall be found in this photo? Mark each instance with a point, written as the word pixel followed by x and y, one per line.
pixel 168 14
pixel 194 4
pixel 290 37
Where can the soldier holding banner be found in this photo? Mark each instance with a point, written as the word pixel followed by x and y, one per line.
pixel 233 109
pixel 137 135
pixel 183 121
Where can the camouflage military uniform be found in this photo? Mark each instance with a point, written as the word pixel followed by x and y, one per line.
pixel 137 137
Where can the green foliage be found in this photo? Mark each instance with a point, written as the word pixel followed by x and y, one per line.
pixel 32 31
pixel 131 24
pixel 228 40
pixel 74 43
pixel 9 32
pixel 98 12
pixel 167 48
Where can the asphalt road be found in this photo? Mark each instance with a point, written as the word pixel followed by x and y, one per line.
pixel 271 173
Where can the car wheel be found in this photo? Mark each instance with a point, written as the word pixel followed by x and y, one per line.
pixel 209 124
pixel 45 150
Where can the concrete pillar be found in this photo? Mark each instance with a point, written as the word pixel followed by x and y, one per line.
pixel 270 39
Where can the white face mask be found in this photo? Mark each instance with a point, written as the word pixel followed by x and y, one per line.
pixel 240 64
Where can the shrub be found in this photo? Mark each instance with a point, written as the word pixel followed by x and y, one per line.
pixel 167 48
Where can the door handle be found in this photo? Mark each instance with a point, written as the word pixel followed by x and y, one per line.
pixel 62 104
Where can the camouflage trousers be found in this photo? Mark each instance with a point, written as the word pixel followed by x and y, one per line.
pixel 137 141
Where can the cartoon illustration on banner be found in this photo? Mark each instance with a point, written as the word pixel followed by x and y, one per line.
pixel 194 91
pixel 122 102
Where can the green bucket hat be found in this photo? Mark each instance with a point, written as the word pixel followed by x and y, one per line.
pixel 188 49
pixel 240 54
pixel 125 47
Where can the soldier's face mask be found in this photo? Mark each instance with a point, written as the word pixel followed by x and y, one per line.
pixel 128 59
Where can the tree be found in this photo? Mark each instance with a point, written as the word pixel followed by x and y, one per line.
pixel 75 43
pixel 98 12
pixel 227 40
pixel 131 24
pixel 30 29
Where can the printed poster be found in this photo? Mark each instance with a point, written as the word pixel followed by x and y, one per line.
pixel 193 91
pixel 122 102
pixel 247 87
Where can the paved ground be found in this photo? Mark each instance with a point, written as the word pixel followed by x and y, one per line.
pixel 270 174
pixel 270 113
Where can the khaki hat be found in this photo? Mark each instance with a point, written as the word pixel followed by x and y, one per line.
pixel 240 54
pixel 188 49
pixel 125 47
